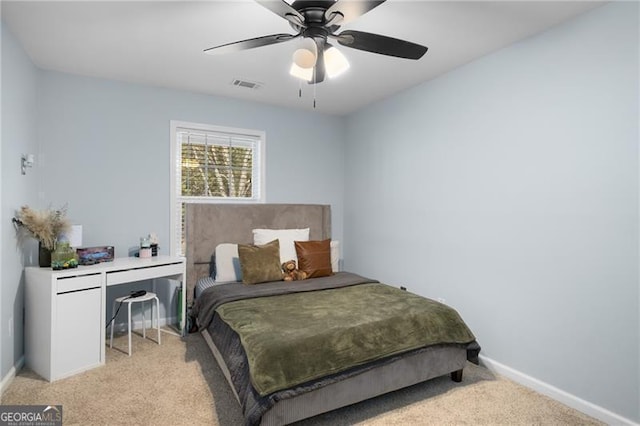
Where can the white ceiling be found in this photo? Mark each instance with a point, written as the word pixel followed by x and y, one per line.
pixel 161 43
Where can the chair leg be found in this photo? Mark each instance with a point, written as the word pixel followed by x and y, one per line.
pixel 113 310
pixel 144 322
pixel 129 325
pixel 157 317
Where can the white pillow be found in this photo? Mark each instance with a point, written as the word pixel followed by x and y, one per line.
pixel 286 238
pixel 227 263
pixel 335 256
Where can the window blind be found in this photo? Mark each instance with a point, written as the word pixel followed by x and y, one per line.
pixel 218 164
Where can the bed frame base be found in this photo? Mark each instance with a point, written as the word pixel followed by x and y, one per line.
pixel 406 371
pixel 218 357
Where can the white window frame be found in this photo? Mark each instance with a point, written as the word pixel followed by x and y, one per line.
pixel 175 172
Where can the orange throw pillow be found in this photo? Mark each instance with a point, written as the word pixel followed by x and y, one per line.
pixel 314 258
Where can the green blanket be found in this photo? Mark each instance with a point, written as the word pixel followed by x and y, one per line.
pixel 293 338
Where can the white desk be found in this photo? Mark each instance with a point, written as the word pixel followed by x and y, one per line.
pixel 65 311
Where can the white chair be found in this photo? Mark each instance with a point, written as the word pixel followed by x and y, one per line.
pixel 131 300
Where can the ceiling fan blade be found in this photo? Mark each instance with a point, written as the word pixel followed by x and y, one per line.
pixel 284 10
pixel 251 43
pixel 349 10
pixel 383 45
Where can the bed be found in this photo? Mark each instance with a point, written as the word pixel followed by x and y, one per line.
pixel 329 362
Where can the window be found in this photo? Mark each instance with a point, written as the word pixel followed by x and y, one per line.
pixel 211 164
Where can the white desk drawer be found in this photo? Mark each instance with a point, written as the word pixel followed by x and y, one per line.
pixel 145 273
pixel 77 283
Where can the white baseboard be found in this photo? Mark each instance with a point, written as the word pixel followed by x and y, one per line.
pixel 559 395
pixel 6 380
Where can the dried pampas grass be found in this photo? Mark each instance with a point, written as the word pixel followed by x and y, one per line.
pixel 45 226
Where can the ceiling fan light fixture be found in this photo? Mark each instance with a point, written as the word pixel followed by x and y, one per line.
pixel 301 73
pixel 335 62
pixel 307 53
pixel 304 58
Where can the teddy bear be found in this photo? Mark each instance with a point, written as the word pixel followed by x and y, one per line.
pixel 291 272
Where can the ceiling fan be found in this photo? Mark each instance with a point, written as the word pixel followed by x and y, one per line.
pixel 317 21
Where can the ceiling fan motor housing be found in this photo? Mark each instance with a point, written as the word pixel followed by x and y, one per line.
pixel 315 22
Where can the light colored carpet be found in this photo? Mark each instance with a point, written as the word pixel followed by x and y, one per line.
pixel 179 383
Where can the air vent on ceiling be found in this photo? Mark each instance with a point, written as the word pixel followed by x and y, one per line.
pixel 246 84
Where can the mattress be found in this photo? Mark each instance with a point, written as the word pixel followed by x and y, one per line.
pixel 203 284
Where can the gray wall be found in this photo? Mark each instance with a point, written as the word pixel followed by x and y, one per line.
pixel 19 136
pixel 509 187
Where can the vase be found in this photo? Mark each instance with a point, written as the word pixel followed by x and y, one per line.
pixel 44 256
pixel 63 257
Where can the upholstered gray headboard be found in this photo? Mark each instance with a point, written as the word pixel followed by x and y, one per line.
pixel 208 225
